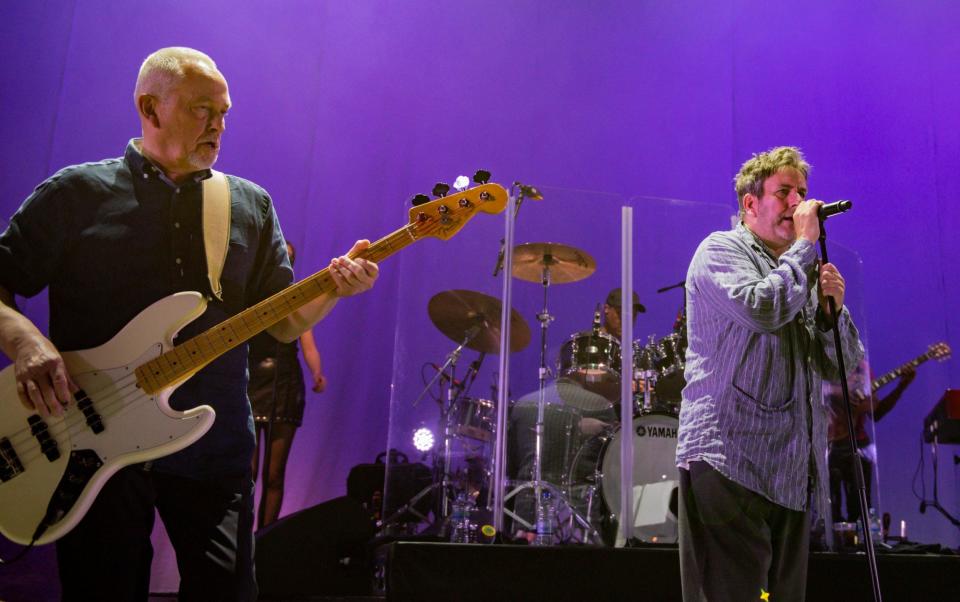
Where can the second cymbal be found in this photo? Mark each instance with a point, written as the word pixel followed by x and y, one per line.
pixel 566 263
pixel 456 312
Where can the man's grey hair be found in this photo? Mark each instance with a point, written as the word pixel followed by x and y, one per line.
pixel 165 67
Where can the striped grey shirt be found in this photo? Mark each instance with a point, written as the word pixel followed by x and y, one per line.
pixel 752 408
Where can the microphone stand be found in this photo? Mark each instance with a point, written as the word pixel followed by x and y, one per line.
pixel 472 372
pixel 522 194
pixel 672 286
pixel 851 436
pixel 451 360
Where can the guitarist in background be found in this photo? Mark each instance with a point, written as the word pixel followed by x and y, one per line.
pixel 843 480
pixel 110 238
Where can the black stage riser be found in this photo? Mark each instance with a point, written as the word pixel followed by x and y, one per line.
pixel 306 553
pixel 460 573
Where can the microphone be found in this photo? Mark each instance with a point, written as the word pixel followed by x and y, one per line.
pixel 832 209
pixel 529 192
pixel 475 364
pixel 526 192
pixel 443 375
pixel 596 320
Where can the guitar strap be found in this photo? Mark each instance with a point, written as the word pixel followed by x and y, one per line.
pixel 216 227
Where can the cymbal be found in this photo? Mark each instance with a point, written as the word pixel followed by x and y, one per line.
pixel 566 263
pixel 456 312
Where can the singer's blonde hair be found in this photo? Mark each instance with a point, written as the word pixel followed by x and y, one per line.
pixel 757 169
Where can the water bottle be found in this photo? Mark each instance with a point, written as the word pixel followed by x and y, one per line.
pixel 876 528
pixel 546 518
pixel 460 519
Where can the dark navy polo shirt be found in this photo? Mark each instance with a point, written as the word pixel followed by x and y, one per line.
pixel 110 238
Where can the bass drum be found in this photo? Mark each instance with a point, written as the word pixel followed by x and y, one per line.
pixel 594 485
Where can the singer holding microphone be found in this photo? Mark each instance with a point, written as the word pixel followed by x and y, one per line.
pixel 752 438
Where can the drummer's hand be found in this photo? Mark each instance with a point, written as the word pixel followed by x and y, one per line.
pixel 592 426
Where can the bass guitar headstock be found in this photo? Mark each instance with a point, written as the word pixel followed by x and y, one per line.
pixel 445 216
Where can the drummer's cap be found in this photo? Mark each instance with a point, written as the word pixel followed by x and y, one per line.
pixel 613 300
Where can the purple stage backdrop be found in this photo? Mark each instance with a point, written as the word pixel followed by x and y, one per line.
pixel 344 110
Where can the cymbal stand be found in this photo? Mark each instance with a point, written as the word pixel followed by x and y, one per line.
pixel 544 318
pixel 454 390
pixel 538 485
pixel 442 475
pixel 451 360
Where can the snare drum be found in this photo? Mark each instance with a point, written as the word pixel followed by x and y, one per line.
pixel 472 417
pixel 591 357
pixel 596 469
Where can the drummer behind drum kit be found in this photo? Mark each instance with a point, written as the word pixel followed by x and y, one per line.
pixel 564 438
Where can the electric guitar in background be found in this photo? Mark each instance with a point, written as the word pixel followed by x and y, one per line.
pixel 862 403
pixel 936 351
pixel 51 469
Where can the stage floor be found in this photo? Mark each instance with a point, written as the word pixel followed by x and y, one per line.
pixel 458 572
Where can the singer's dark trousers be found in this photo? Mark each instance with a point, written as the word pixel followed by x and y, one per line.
pixel 736 544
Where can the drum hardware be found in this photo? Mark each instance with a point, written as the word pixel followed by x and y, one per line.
pixel 546 263
pixel 670 365
pixel 455 312
pixel 672 349
pixel 526 192
pixel 558 263
pixel 465 312
pixel 471 319
pixel 451 406
pixel 682 283
pixel 644 374
pixel 592 359
pixel 680 322
pixel 450 362
pixel 471 418
pixel 596 470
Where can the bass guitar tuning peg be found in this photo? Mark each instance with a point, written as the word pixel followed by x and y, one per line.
pixel 441 189
pixel 482 176
pixel 420 199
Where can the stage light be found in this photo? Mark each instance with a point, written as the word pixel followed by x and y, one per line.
pixel 423 439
